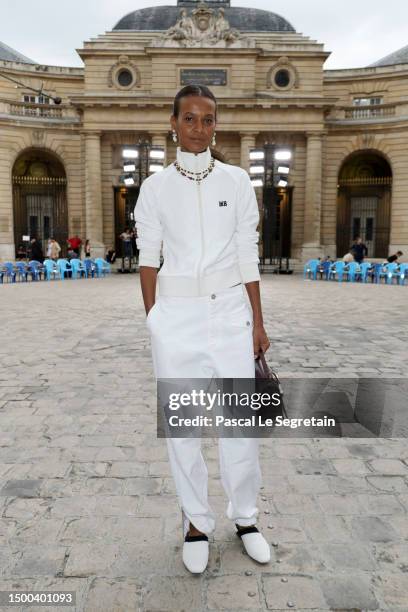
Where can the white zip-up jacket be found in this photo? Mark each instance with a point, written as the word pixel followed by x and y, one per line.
pixel 208 229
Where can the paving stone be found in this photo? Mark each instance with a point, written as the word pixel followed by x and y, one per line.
pixel 380 504
pixel 389 466
pixel 232 593
pixel 347 555
pixel 39 560
pixel 372 529
pixel 111 529
pixel 291 503
pixel 314 466
pixel 21 488
pixel 308 483
pixel 303 591
pixel 392 589
pixel 123 469
pixel 321 528
pixel 393 484
pixel 142 486
pixel 349 592
pixel 338 504
pixel 115 594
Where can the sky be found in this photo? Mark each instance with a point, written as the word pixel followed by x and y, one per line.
pixel 356 33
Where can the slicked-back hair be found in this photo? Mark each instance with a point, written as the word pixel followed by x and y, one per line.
pixel 192 90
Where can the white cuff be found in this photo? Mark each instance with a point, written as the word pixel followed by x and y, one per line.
pixel 249 272
pixel 149 258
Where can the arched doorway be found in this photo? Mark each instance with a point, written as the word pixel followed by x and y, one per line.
pixel 39 199
pixel 364 203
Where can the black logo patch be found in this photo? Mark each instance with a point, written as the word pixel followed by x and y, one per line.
pixel 222 203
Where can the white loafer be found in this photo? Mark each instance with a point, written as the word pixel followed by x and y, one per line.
pixel 195 553
pixel 254 543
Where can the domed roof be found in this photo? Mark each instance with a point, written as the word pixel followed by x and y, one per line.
pixel 11 55
pixel 162 18
pixel 398 57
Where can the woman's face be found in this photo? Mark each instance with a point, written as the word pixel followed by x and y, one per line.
pixel 195 124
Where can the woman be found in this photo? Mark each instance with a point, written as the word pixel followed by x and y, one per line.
pixel 206 214
pixel 55 249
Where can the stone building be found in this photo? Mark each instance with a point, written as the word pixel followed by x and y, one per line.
pixel 61 166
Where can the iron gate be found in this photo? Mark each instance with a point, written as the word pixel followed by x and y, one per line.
pixel 40 210
pixel 366 215
pixel 276 224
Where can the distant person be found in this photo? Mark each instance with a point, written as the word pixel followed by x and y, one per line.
pixel 126 238
pixel 348 257
pixel 49 248
pixel 87 248
pixel 72 254
pixel 75 243
pixel 110 256
pixel 36 250
pixel 359 250
pixel 395 257
pixel 21 252
pixel 55 249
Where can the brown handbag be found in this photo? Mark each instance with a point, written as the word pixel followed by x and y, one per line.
pixel 266 381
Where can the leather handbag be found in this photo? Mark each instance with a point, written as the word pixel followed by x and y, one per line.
pixel 266 381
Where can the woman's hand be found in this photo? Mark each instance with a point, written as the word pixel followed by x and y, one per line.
pixel 260 338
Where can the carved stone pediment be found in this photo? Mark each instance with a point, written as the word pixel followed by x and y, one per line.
pixel 203 27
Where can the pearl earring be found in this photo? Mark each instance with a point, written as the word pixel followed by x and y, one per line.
pixel 174 136
pixel 213 142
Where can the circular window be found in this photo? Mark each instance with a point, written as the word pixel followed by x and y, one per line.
pixel 125 78
pixel 282 78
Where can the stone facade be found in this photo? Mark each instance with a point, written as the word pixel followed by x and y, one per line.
pixel 313 112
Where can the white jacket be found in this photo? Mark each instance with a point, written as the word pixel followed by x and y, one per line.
pixel 208 229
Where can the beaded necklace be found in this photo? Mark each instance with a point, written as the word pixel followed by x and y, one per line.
pixel 195 176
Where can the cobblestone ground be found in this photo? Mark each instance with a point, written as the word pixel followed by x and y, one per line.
pixel 87 502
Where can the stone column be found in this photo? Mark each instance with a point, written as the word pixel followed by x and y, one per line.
pixel 311 247
pixel 93 193
pixel 7 246
pixel 247 143
pixel 159 139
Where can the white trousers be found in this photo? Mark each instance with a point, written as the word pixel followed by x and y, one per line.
pixel 208 337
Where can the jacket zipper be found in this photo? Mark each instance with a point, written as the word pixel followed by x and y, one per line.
pixel 200 206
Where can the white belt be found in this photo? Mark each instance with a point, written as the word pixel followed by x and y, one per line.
pixel 190 286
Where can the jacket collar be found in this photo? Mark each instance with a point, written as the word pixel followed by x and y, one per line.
pixel 195 162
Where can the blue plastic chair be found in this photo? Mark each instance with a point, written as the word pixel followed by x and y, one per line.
pixel 326 266
pixel 391 270
pixel 337 268
pixel 78 268
pixel 64 268
pixel 352 269
pixel 365 266
pixel 403 273
pixel 9 271
pixel 90 268
pixel 22 270
pixel 51 269
pixel 102 267
pixel 34 268
pixel 375 272
pixel 310 268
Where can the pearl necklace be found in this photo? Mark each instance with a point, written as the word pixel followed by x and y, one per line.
pixel 195 176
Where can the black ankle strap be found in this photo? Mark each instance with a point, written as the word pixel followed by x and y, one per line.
pixel 243 530
pixel 196 538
